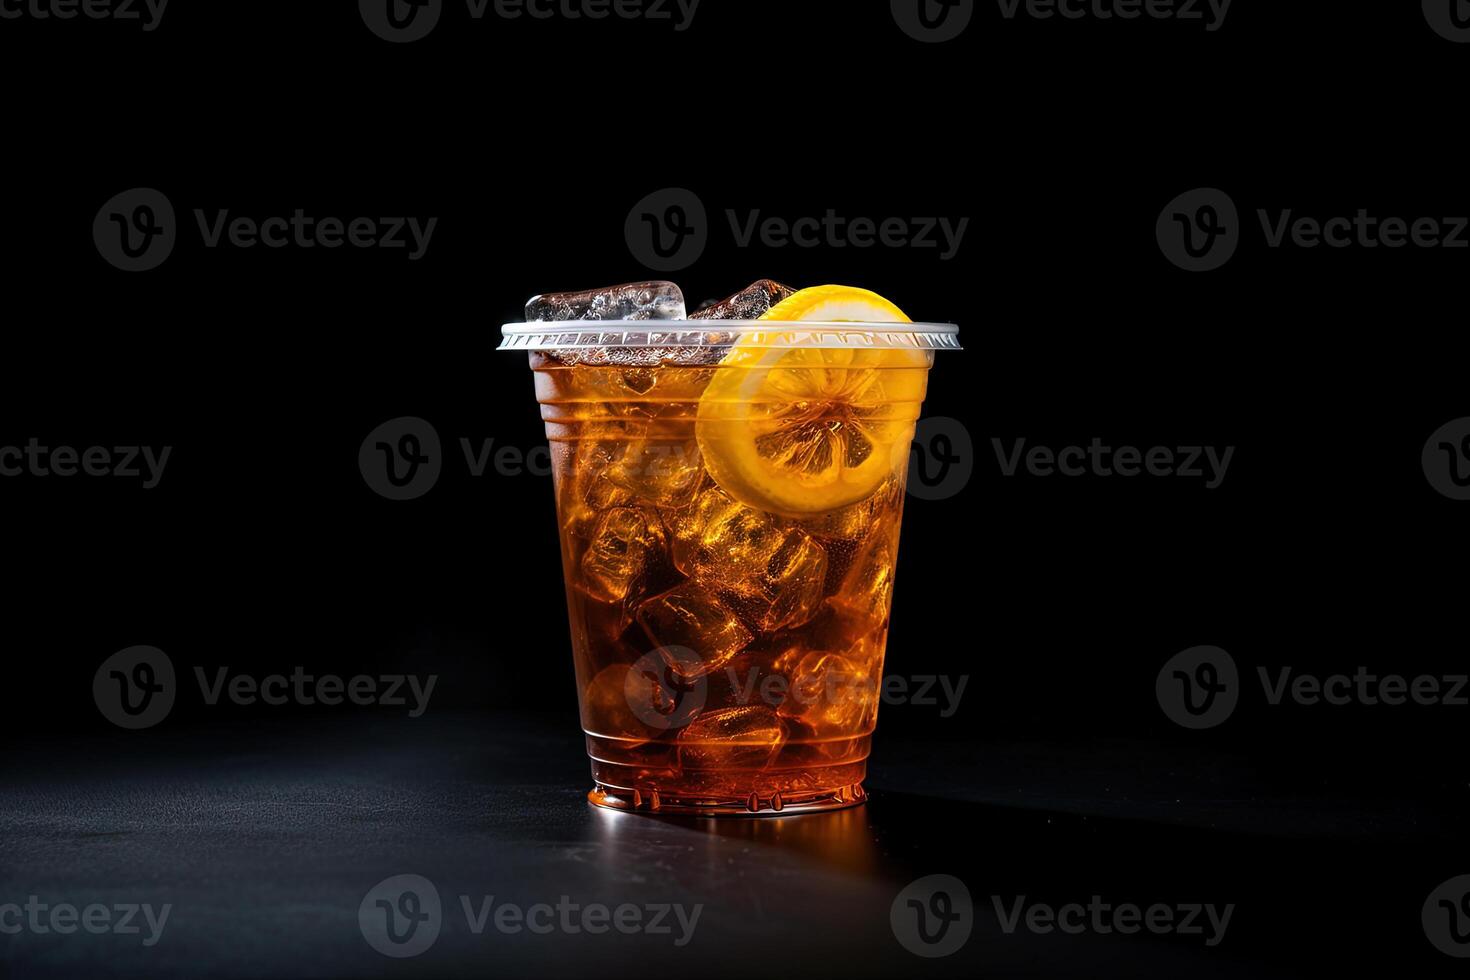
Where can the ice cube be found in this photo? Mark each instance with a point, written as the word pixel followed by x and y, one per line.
pixel 639 379
pixel 746 737
pixel 603 494
pixel 751 303
pixel 793 583
pixel 663 472
pixel 690 618
pixel 588 493
pixel 835 696
pixel 619 548
pixel 631 301
pixel 855 521
pixel 777 570
pixel 867 590
pixel 687 527
pixel 727 543
pixel 837 628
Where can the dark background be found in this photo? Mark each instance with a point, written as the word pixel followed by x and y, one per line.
pixel 262 549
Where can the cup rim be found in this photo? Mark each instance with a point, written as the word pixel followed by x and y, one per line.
pixel 830 334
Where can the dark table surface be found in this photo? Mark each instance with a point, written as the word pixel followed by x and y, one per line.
pixel 264 841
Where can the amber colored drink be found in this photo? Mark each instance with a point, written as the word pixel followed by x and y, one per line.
pixel 728 658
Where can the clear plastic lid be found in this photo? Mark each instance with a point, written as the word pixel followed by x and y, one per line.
pixel 571 335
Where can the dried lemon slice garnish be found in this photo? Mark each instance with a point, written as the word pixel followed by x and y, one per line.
pixel 800 430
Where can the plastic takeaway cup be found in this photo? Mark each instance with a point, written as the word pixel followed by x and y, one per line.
pixel 729 496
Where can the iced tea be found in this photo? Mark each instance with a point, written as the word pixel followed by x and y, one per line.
pixel 729 488
pixel 729 657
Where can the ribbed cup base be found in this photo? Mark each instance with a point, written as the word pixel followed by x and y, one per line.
pixel 775 805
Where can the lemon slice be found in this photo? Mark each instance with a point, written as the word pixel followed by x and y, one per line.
pixel 837 303
pixel 798 431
